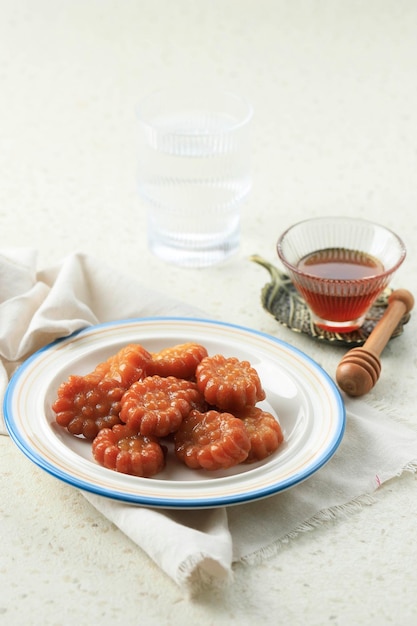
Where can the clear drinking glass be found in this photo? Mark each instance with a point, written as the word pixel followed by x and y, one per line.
pixel 194 173
pixel 340 265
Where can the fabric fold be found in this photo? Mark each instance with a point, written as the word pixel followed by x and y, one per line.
pixel 193 547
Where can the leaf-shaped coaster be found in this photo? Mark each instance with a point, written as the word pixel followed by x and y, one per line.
pixel 280 298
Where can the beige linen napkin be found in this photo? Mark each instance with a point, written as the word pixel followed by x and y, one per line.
pixel 193 547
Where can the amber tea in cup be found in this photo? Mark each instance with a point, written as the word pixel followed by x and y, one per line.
pixel 340 266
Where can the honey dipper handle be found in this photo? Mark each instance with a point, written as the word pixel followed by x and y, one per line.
pixel 400 302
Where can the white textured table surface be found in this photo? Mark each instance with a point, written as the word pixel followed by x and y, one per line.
pixel 334 90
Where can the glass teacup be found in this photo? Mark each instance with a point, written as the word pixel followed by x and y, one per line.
pixel 340 265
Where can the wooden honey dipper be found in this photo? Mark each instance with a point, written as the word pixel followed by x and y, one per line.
pixel 359 369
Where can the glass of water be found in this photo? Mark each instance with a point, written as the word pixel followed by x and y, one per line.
pixel 194 173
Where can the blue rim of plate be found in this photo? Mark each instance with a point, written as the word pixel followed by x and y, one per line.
pixel 246 486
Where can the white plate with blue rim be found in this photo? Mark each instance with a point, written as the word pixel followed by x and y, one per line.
pixel 299 393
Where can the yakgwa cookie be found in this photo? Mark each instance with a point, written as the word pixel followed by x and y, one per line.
pixel 180 360
pixel 228 383
pixel 211 440
pixel 264 432
pixel 157 405
pixel 121 449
